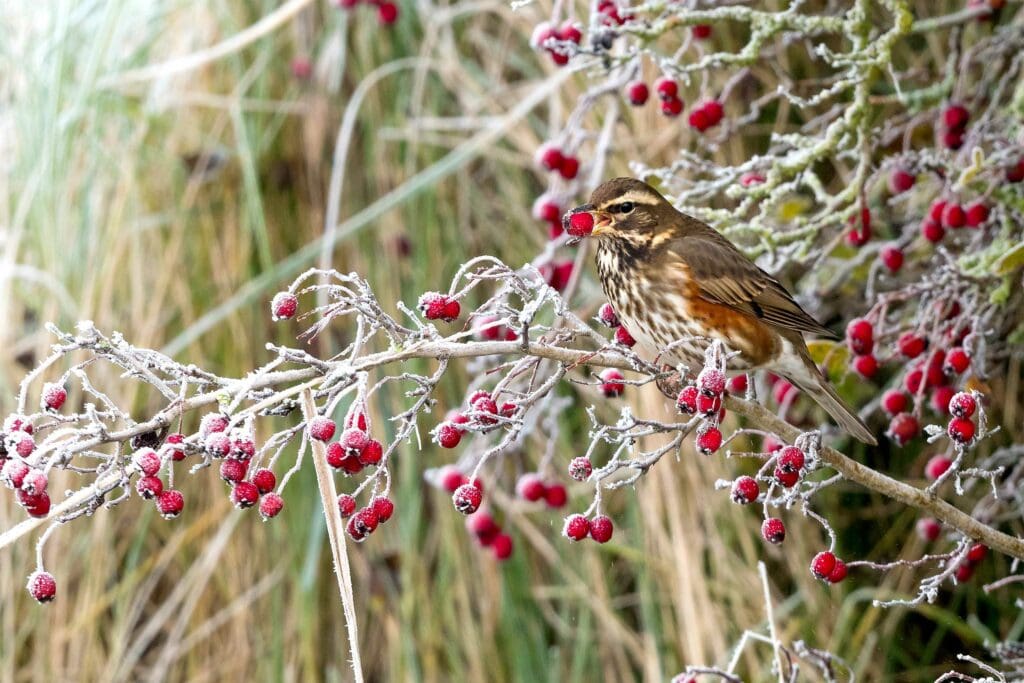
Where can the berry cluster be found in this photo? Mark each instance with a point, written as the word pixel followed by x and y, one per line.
pixel 559 42
pixel 552 158
pixel 387 11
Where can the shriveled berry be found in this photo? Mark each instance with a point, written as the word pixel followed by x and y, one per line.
pixel 244 495
pixel 745 490
pixel 902 428
pixel 271 505
pixel 265 480
pixel 709 440
pixel 346 505
pixel 283 306
pixel 936 466
pixel 53 396
pixel 860 335
pixel 865 366
pixel 928 528
pixel 321 428
pixel 960 430
pixel 555 495
pixel 823 564
pixel 42 587
pixel 791 459
pixel 530 487
pixel 601 529
pixel 383 507
pixel 170 503
pixel 891 257
pixel 711 382
pixel 611 382
pixel 894 401
pixel 773 530
pixel 606 314
pixel 962 405
pixel 467 498
pixel 576 527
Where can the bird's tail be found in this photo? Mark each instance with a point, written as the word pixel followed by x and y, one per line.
pixel 814 384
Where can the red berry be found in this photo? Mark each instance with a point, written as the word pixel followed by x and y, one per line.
pixel 903 428
pixel 838 572
pixel 42 586
pixel 437 306
pixel 218 444
pixel 900 181
pixel 611 382
pixel 283 306
pixel 549 157
pixel 545 209
pixel 913 380
pixel 953 216
pixel 34 482
pixel 791 459
pixel 35 504
pixel 147 461
pixel 823 564
pixel 302 68
pixel 346 505
pixel 941 397
pixel 451 478
pixel 601 529
pixel 383 508
pixel 745 490
pixel 570 32
pixel 934 373
pixel 711 382
pixel 170 503
pixel 928 528
pixel 977 214
pixel 781 391
pixel 964 573
pixel 244 495
pixel 932 231
pixel 911 345
pixel 751 178
pixel 467 498
pixel 936 210
pixel 530 487
pixel 977 553
pixel 1015 173
pixel 622 336
pixel 271 505
pixel 149 487
pixel 786 478
pixel 606 314
pixel 54 396
pixel 264 480
pixel 773 530
pixel 962 405
pixel 580 224
pixel 372 454
pixel 580 468
pixel 894 401
pixel 637 92
pixel 354 441
pixel 936 467
pixel 891 257
pixel 502 546
pixel 960 430
pixel 483 526
pixel 709 440
pixel 860 335
pixel 576 527
pixel 171 445
pixel 738 384
pixel 860 234
pixel 448 435
pixel 866 366
pixel 671 106
pixel 956 361
pixel 233 471
pixel 362 524
pixel 321 428
pixel 699 119
pixel 14 473
pixel 686 402
pixel 701 31
pixel 955 116
pixel 569 167
pixel 709 405
pixel 555 496
pixel 387 13
pixel 666 88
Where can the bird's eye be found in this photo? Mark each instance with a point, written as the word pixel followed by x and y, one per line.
pixel 624 207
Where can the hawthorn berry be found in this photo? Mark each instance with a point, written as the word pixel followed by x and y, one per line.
pixel 212 423
pixel 383 507
pixel 955 116
pixel 14 473
pixel 894 401
pixel 953 216
pixel 637 93
pixel 838 572
pixel 866 366
pixel 932 231
pixel 1015 172
pixel 773 530
pixel 601 529
pixel 860 234
pixel 283 306
pixel 218 445
pixel 34 482
pixel 555 495
pixel 666 88
pixel 147 461
pixel 607 316
pixel 900 181
pixel 611 382
pixel 372 454
pixel 42 586
pixel 860 336
pixel 977 214
pixel 530 487
pixel 580 224
pixel 686 402
pixel 149 487
pixel 35 504
pixel 786 478
pixel 671 106
pixel 902 428
pixel 738 384
pixel 960 430
pixel 701 31
pixel 170 503
pixel 745 490
pixel 622 336
pixel 346 505
pixel 709 440
pixel 321 428
pixel 781 391
pixel 956 361
pixel 53 397
pixel 791 459
pixel 545 209
pixel 448 435
pixel 823 564
pixel 265 480
pixel 387 13
pixel 706 115
pixel 244 494
pixel 576 527
pixel 25 445
pixel 709 405
pixel 467 498
pixel 569 168
pixel 891 257
pixel 937 466
pixel 502 546
pixel 271 505
pixel 911 345
pixel 451 478
pixel 940 399
pixel 549 157
pixel 977 553
pixel 928 528
pixel 437 306
pixel 711 382
pixel 964 573
pixel 962 405
pixel 483 526
pixel 362 524
pixel 913 380
pixel 580 468
pixel 353 440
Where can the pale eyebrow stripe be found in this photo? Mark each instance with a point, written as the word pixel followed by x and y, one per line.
pixel 635 197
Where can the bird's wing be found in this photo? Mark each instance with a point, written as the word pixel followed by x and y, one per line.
pixel 723 275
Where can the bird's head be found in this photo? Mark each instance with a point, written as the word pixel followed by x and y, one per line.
pixel 622 208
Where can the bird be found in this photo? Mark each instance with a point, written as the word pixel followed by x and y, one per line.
pixel 676 282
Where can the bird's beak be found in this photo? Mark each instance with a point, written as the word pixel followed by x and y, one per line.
pixel 602 222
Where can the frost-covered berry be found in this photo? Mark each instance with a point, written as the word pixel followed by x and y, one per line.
pixel 579 224
pixel 362 524
pixel 271 505
pixel 913 380
pixel 738 384
pixel 622 336
pixel 549 157
pixel 671 106
pixel 576 527
pixel 35 504
pixel 962 405
pixel 637 93
pixel 786 478
pixel 53 396
pixel 580 468
pixel 24 445
pixel 960 430
pixel 957 361
pixel 937 466
pixel 170 503
pixel 346 505
pixel 709 440
pixel 708 405
pixel 666 87
pixel 383 507
pixel 745 490
pixel 955 116
pixel 14 473
pixel 900 181
pixel 212 423
pixel 687 400
pixel 555 495
pixel 860 336
pixel 244 494
pixel 866 366
pixel 894 401
pixel 502 546
pixel 530 487
pixel 372 453
pixel 977 214
pixel 448 435
pixel 569 168
pixel 437 306
pixel 265 480
pixel 218 445
pixel 601 529
pixel 791 459
pixel 773 530
pixel 903 428
pixel 611 382
pixel 321 428
pixel 823 564
pixel 147 461
pixel 34 482
pixel 42 587
pixel 283 306
pixel 149 487
pixel 911 345
pixel 838 572
pixel 928 528
pixel 711 382
pixel 606 314
pixel 467 498
pixel 891 257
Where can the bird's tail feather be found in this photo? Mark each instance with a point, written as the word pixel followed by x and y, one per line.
pixel 818 388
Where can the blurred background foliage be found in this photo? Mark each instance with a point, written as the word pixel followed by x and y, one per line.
pixel 171 207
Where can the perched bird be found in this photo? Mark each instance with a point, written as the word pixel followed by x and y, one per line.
pixel 673 279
